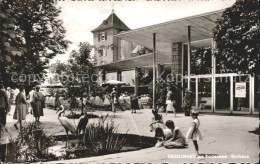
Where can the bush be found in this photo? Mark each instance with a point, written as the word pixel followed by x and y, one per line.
pixel 104 137
pixel 32 143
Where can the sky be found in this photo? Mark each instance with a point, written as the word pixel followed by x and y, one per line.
pixel 80 17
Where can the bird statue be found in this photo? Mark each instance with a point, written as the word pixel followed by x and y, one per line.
pixel 69 126
pixel 83 121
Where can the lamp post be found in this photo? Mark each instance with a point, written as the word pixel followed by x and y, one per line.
pixel 154 70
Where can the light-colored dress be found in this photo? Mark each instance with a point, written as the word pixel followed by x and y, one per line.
pixel 159 124
pixel 21 107
pixel 194 132
pixel 98 101
pixel 106 101
pixel 178 138
pixel 169 103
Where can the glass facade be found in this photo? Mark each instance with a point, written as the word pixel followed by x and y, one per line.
pixel 256 94
pixel 204 94
pixel 222 93
pixel 241 94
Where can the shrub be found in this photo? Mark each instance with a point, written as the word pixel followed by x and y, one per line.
pixel 32 143
pixel 104 137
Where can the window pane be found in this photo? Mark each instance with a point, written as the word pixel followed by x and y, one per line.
pixel 222 94
pixel 204 94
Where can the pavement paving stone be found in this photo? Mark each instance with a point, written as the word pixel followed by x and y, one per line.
pixel 222 136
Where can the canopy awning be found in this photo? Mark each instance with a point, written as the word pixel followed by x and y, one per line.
pixel 173 31
pixel 142 61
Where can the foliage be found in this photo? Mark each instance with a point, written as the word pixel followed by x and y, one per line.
pixel 42 34
pixel 79 75
pixel 237 37
pixel 9 47
pixel 32 143
pixel 104 136
pixel 187 101
pixel 145 77
pixel 201 61
pixel 161 92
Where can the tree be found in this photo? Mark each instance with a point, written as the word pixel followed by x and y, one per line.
pixel 237 37
pixel 9 47
pixel 79 75
pixel 41 32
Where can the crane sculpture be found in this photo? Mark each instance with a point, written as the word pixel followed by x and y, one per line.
pixel 69 126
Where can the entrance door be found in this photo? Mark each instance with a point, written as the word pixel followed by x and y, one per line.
pixel 222 94
pixel 241 94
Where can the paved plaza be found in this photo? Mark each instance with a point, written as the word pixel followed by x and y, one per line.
pixel 225 138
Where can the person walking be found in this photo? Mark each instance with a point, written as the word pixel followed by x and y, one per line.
pixel 38 100
pixel 134 103
pixel 9 94
pixel 114 96
pixel 170 102
pixel 56 101
pixel 20 107
pixel 193 132
pixel 4 105
pixel 107 103
pixel 30 96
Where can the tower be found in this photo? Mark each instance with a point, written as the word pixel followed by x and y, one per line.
pixel 107 46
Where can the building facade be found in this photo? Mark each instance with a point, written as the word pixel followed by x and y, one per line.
pixel 184 48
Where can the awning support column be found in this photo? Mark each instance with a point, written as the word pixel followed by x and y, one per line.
pixel 136 80
pixel 154 69
pixel 189 53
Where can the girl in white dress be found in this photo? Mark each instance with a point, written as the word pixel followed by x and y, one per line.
pixel 170 102
pixel 194 132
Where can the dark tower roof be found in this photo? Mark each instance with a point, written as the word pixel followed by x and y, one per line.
pixel 112 22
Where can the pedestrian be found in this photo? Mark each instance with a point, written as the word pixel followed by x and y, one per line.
pixel 56 101
pixel 30 96
pixel 38 101
pixel 4 105
pixel 157 121
pixel 114 96
pixel 20 107
pixel 107 103
pixel 9 94
pixel 170 102
pixel 193 132
pixel 134 103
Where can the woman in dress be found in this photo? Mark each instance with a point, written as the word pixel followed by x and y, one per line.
pixel 157 121
pixel 38 100
pixel 194 132
pixel 170 102
pixel 21 107
pixel 171 137
pixel 107 103
pixel 134 103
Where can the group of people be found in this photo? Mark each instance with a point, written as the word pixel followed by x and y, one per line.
pixel 35 99
pixel 112 101
pixel 170 136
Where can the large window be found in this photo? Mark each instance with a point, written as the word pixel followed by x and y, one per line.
pixel 204 94
pixel 222 94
